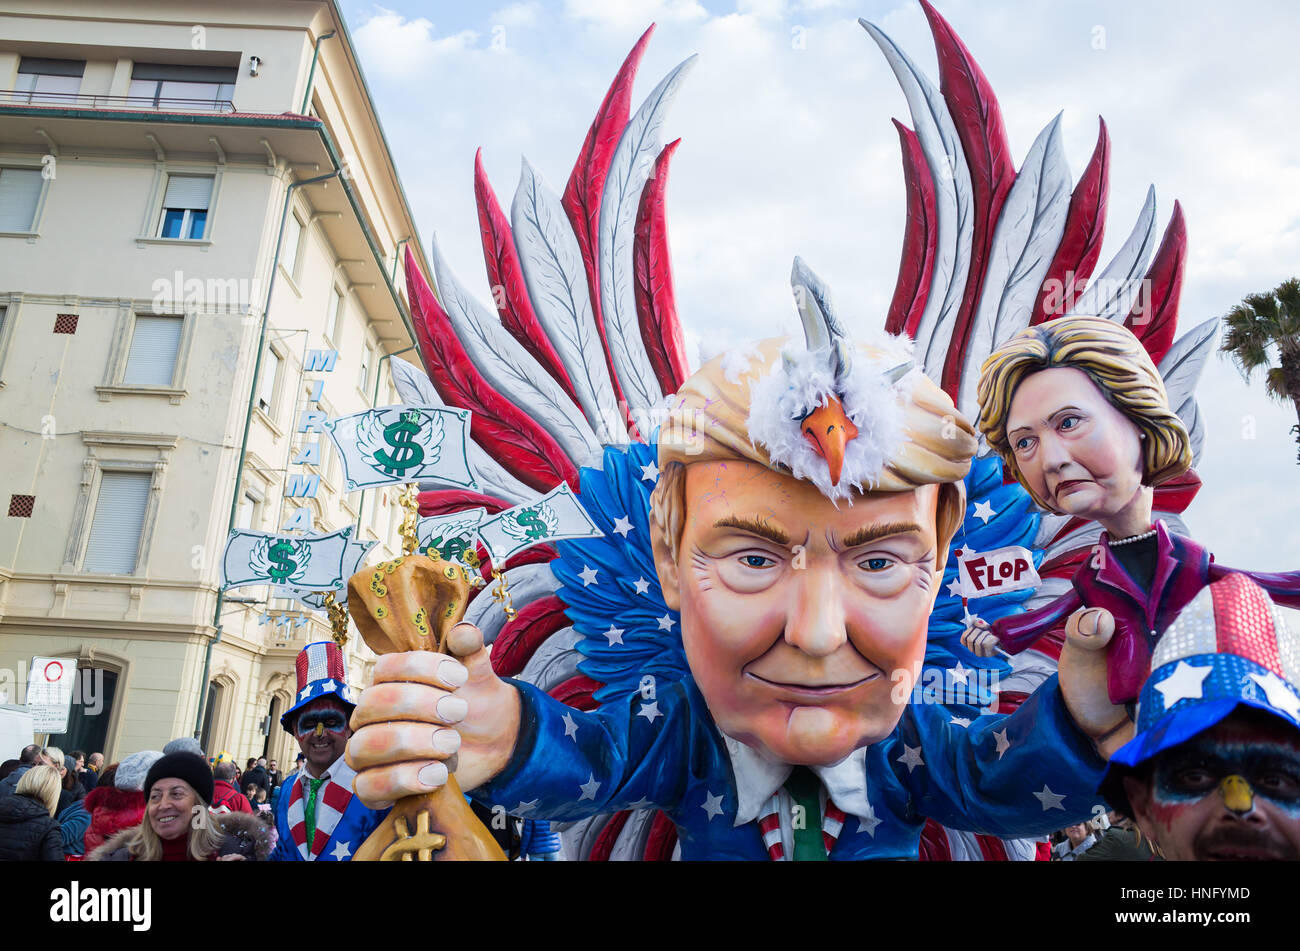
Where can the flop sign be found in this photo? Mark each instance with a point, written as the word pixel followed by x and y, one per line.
pixel 996 572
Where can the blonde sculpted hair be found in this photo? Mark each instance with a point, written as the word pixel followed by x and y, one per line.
pixel 1118 366
pixel 708 421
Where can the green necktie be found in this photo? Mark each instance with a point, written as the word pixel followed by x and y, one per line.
pixel 805 790
pixel 309 808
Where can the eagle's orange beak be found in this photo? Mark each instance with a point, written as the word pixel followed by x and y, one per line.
pixel 829 430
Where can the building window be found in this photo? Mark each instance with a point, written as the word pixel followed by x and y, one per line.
pixel 270 382
pixel 49 81
pixel 293 228
pixel 363 377
pixel 155 344
pixel 185 207
pixel 333 316
pixel 20 192
pixel 248 514
pixel 183 88
pixel 91 711
pixel 119 521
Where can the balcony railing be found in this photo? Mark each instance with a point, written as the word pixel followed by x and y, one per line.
pixel 76 100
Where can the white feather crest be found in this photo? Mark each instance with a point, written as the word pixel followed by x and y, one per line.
pixel 557 287
pixel 954 203
pixel 629 169
pixel 1181 370
pixel 511 369
pixel 1112 294
pixel 803 380
pixel 1029 231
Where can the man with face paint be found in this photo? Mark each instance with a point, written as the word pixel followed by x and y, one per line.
pixel 1213 773
pixel 316 815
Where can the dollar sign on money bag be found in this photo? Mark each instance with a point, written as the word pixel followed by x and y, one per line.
pixel 406 453
pixel 281 555
pixel 531 522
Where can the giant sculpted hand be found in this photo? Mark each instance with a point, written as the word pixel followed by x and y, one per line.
pixel 422 708
pixel 1083 679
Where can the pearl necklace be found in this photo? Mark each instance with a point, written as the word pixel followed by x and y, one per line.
pixel 1132 538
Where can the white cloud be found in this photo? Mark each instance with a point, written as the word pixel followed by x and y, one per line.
pixel 518 14
pixel 394 47
pixel 635 13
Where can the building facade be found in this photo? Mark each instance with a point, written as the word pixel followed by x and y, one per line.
pixel 197 208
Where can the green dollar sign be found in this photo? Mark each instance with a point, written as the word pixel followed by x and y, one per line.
pixel 531 522
pixel 452 548
pixel 281 554
pixel 406 454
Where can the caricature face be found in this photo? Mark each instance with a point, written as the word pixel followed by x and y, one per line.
pixel 1230 793
pixel 1077 452
pixel 795 614
pixel 322 731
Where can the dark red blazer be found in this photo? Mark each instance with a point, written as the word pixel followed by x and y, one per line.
pixel 1183 568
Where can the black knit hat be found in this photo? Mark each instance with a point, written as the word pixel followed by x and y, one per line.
pixel 193 769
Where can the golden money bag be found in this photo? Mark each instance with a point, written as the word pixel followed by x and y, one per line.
pixel 410 604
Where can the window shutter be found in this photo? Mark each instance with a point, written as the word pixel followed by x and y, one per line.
pixel 266 387
pixel 154 345
pixel 119 520
pixel 20 189
pixel 188 191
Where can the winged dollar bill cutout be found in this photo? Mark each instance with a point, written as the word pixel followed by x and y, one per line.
pixel 555 516
pixel 286 561
pixel 396 444
pixel 352 558
pixel 449 536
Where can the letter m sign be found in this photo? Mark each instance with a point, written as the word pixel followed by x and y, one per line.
pixel 301 486
pixel 322 360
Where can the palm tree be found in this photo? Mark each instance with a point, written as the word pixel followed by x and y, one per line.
pixel 1260 323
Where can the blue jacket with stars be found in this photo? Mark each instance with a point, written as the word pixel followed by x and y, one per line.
pixel 352 828
pixel 1038 776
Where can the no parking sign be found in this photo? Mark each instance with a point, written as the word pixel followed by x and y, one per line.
pixel 49 693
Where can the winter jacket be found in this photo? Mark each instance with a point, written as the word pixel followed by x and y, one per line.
pixel 9 785
pixel 28 833
pixel 227 796
pixel 111 810
pixel 73 822
pixel 256 775
pixel 67 797
pixel 89 779
pixel 243 833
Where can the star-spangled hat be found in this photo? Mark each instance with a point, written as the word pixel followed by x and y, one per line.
pixel 321 673
pixel 1229 647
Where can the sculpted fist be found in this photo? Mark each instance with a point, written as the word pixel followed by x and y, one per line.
pixel 979 639
pixel 1083 680
pixel 424 708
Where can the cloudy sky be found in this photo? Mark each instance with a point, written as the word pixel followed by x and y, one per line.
pixel 788 149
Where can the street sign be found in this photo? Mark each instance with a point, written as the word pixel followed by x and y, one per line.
pixel 50 686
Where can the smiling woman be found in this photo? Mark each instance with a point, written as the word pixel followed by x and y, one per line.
pixel 177 825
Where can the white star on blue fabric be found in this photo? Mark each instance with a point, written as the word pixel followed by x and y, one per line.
pixel 1185 683
pixel 650 472
pixel 306 692
pixel 523 807
pixel 642 803
pixel 341 851
pixel 960 721
pixel 712 805
pixel 649 710
pixel 960 674
pixel 589 787
pixel 1280 696
pixel 570 727
pixel 623 526
pixel 330 686
pixel 1001 742
pixel 983 510
pixel 868 822
pixel 588 575
pixel 911 758
pixel 666 623
pixel 954 587
pixel 641 585
pixel 1049 799
pixel 615 635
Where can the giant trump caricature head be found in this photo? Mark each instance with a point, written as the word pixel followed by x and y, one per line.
pixel 807 496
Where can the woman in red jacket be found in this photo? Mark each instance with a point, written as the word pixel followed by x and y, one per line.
pixel 117 801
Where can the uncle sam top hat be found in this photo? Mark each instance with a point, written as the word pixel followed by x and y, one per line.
pixel 1229 647
pixel 321 673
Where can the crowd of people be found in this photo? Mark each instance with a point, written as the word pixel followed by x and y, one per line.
pixel 152 805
